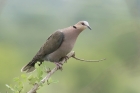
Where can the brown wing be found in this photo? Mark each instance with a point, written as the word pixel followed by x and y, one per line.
pixel 52 44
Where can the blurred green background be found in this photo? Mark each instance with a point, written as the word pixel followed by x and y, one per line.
pixel 26 24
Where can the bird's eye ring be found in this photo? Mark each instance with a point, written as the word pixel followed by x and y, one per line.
pixel 82 23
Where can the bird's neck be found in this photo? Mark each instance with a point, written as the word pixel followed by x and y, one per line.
pixel 70 36
pixel 72 32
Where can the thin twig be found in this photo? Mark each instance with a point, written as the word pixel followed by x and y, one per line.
pixel 88 60
pixel 71 54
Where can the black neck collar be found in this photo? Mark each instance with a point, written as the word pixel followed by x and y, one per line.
pixel 75 27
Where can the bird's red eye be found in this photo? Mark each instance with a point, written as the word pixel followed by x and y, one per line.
pixel 82 23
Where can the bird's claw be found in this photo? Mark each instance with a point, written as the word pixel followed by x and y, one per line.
pixel 66 58
pixel 59 65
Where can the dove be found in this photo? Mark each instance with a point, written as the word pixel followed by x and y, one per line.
pixel 57 46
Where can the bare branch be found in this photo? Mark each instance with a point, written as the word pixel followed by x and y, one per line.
pixel 88 60
pixel 71 54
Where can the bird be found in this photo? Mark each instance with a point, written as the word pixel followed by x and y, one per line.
pixel 57 46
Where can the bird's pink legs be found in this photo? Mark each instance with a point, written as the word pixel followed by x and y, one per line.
pixel 58 65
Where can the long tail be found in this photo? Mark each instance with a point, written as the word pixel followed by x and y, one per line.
pixel 29 67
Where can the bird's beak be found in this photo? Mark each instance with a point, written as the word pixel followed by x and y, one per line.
pixel 89 27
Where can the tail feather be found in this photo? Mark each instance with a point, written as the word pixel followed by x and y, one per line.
pixel 29 67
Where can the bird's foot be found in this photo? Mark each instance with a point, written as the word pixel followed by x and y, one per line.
pixel 59 65
pixel 66 58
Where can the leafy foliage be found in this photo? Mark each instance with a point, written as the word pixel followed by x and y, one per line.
pixel 19 84
pixel 31 79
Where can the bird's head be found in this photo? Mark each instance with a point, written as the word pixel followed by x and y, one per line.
pixel 81 25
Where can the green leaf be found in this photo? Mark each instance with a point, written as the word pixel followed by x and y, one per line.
pixel 39 73
pixel 50 80
pixel 32 80
pixel 39 79
pixel 24 76
pixel 30 77
pixel 18 87
pixel 37 65
pixel 16 79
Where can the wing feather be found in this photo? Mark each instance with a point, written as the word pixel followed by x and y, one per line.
pixel 51 45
